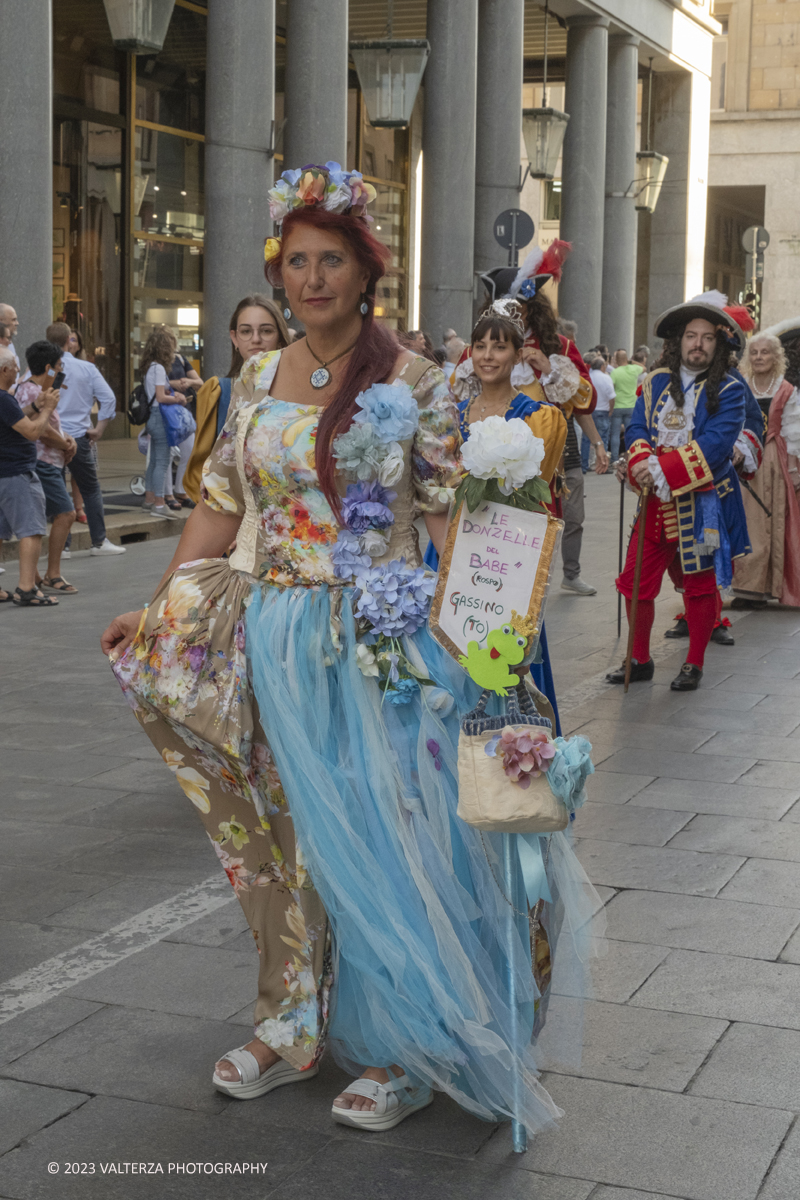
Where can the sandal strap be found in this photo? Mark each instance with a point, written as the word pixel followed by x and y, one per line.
pixel 384 1094
pixel 245 1063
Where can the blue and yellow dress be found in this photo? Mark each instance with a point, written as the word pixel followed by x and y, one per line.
pixel 546 422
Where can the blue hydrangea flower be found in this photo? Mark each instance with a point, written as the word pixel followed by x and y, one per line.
pixel 394 598
pixel 292 176
pixel 366 506
pixel 358 451
pixel 391 409
pixel 404 690
pixel 346 555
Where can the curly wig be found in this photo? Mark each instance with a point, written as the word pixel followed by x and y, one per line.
pixel 721 363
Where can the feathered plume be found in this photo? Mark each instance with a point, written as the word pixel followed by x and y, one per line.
pixel 715 298
pixel 529 268
pixel 741 316
pixel 554 258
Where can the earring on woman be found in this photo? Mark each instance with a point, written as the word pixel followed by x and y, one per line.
pixel 364 307
pixel 287 313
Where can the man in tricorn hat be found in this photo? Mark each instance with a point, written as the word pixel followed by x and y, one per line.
pixel 680 446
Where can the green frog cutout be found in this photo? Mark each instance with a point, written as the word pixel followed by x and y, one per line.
pixel 489 667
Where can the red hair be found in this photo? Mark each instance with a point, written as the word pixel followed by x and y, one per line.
pixel 377 348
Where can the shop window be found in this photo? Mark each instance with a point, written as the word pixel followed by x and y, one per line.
pixel 389 215
pixel 170 86
pixel 87 233
pixel 168 184
pixel 86 67
pixel 167 290
pixel 552 200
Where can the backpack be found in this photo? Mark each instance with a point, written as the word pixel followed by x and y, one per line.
pixel 139 406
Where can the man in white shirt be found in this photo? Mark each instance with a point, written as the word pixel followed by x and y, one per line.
pixel 604 408
pixel 8 316
pixel 83 384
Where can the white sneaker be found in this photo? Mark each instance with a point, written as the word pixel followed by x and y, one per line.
pixel 161 510
pixel 2 570
pixel 577 585
pixel 66 554
pixel 107 547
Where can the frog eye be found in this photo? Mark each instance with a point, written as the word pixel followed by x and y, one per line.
pixel 506 629
pixel 521 641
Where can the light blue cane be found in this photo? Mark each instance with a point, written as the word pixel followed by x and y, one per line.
pixel 516 926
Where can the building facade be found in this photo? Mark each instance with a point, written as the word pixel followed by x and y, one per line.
pixel 755 150
pixel 146 176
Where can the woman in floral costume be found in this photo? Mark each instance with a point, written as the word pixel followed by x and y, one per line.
pixel 298 697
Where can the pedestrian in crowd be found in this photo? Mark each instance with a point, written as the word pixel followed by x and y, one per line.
pixel 413 340
pixel 454 348
pixel 75 345
pixel 771 366
pixel 641 356
pixel 183 378
pixel 256 326
pixel 83 384
pixel 157 358
pixel 680 440
pixel 427 979
pixel 22 502
pixel 5 335
pixel 8 316
pixel 54 450
pixel 604 408
pixel 625 377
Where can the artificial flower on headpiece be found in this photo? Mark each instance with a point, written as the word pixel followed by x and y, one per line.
pixel 272 248
pixel 537 264
pixel 329 187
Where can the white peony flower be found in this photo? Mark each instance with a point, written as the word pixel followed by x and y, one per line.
pixel 374 543
pixel 503 450
pixel 390 471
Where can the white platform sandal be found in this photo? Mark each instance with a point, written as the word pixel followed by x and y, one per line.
pixel 252 1082
pixel 394 1101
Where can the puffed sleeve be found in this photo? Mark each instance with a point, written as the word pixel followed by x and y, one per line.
pixel 549 424
pixel 221 484
pixel 435 462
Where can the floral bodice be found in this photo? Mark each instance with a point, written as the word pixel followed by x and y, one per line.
pixel 262 468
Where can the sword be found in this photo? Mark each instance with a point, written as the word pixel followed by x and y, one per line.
pixel 755 496
pixel 637 578
pixel 621 539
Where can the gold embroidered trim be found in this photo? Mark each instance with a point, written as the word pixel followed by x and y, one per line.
pixel 696 467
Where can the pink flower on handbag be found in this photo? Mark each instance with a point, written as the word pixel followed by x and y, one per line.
pixel 525 755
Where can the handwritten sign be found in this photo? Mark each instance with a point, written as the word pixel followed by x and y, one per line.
pixel 495 559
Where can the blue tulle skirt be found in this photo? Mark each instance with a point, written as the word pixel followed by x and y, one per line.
pixel 541 671
pixel 426 957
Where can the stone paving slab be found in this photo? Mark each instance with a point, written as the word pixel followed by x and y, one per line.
pixel 113 905
pixel 615 788
pixel 26 1108
pixel 612 1193
pixel 25 945
pixel 663 870
pixel 22 897
pixel 621 823
pixel 640 736
pixel 53 802
pixel 193 981
pixel 708 768
pixel 108 1130
pixel 183 858
pixel 52 842
pixel 694 923
pixel 791 951
pixel 640 1138
pixel 772 775
pixel 749 1065
pixel 766 681
pixel 738 800
pixel 751 721
pixel 70 766
pixel 150 811
pixel 737 835
pixel 718 985
pixel 765 881
pixel 621 1044
pixel 216 928
pixel 783 1182
pixel 38 1025
pixel 769 749
pixel 620 973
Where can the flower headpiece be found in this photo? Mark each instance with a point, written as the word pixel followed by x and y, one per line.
pixel 327 187
pixel 507 310
pixel 539 267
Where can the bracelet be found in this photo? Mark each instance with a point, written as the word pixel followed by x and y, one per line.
pixel 599 442
pixel 35 409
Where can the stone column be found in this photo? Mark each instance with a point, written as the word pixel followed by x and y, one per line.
pixel 499 124
pixel 619 235
pixel 681 107
pixel 448 153
pixel 583 174
pixel 240 105
pixel 316 82
pixel 26 170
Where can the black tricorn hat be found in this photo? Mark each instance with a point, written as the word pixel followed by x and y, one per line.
pixel 498 281
pixel 675 319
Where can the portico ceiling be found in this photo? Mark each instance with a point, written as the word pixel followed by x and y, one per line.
pixel 368 20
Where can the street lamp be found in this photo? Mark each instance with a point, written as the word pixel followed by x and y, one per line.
pixel 139 26
pixel 543 129
pixel 390 73
pixel 652 168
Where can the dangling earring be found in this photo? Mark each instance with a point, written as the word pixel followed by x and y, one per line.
pixel 364 308
pixel 287 313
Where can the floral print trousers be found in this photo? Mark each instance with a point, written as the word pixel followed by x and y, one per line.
pixel 185 676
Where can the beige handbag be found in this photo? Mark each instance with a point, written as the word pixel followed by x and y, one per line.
pixel 487 798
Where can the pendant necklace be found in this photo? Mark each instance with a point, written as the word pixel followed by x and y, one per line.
pixel 321 376
pixel 483 407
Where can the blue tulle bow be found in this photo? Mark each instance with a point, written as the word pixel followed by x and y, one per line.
pixel 570 769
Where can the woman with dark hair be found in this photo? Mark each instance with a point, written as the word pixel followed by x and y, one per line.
pixel 157 358
pixel 296 689
pixel 257 324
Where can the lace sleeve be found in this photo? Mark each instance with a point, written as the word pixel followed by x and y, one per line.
pixel 563 381
pixel 435 462
pixel 790 424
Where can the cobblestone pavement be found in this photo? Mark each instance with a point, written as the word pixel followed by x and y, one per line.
pixel 130 969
